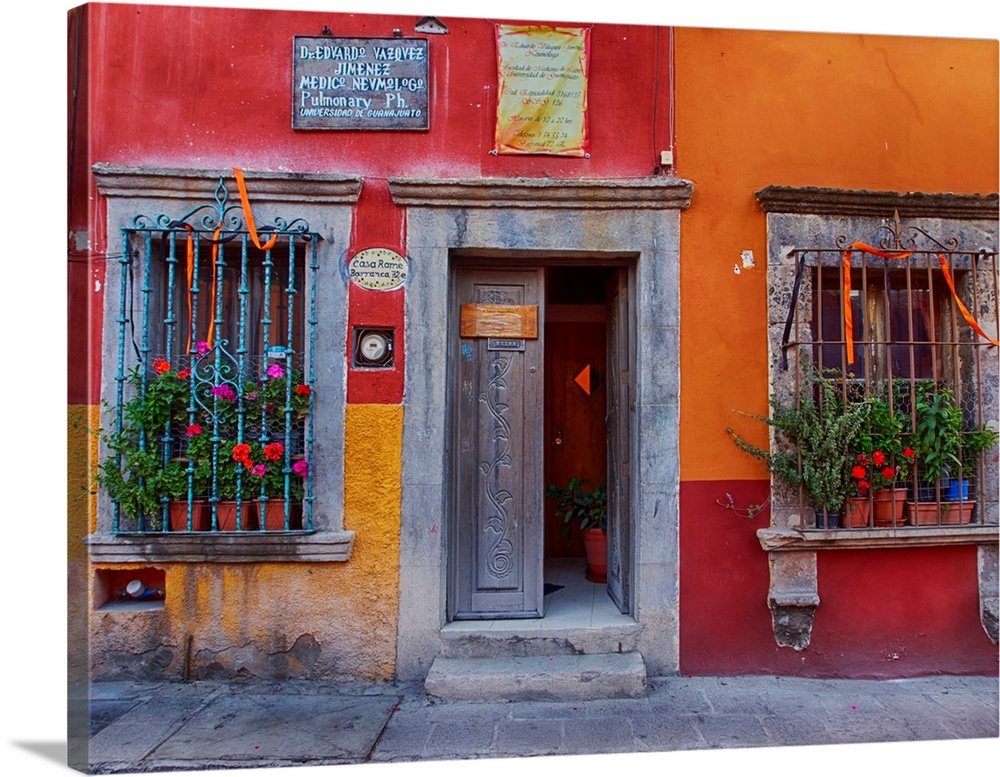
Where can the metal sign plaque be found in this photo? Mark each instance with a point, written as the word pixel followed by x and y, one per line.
pixel 496 344
pixel 360 83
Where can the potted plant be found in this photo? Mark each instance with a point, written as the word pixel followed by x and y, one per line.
pixel 575 505
pixel 814 432
pixel 974 443
pixel 880 461
pixel 936 438
pixel 267 484
pixel 140 474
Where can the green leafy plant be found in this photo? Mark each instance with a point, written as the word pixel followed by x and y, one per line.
pixel 937 434
pixel 976 442
pixel 140 482
pixel 576 505
pixel 814 433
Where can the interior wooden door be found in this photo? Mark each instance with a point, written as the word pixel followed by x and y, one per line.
pixel 497 461
pixel 576 438
pixel 620 420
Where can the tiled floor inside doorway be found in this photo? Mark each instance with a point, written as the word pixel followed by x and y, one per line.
pixel 579 604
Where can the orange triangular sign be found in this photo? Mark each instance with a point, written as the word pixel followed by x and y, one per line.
pixel 583 379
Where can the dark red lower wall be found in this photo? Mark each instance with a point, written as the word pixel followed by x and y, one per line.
pixel 887 613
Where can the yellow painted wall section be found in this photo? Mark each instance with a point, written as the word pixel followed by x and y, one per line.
pixel 82 422
pixel 757 108
pixel 331 620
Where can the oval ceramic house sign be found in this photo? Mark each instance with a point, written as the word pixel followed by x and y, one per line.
pixel 378 269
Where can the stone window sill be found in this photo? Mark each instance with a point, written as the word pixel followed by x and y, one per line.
pixel 229 547
pixel 777 539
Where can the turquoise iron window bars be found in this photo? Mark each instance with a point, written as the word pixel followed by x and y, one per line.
pixel 215 372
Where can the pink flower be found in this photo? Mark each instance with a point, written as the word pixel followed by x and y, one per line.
pixel 224 391
pixel 202 348
pixel 193 429
pixel 275 371
pixel 301 468
pixel 258 470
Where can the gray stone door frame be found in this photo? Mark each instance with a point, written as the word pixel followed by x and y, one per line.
pixel 508 219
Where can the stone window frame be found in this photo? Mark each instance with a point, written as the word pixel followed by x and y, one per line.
pixel 800 217
pixel 326 202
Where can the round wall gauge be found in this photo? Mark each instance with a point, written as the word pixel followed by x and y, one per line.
pixel 373 347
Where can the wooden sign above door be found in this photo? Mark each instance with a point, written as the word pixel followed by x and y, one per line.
pixel 499 321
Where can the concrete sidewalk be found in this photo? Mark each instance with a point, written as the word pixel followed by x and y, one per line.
pixel 143 727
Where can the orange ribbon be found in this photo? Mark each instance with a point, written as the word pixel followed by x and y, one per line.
pixel 252 228
pixel 965 311
pixel 190 279
pixel 249 213
pixel 849 314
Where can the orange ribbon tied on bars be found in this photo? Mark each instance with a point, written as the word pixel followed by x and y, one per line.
pixel 251 228
pixel 849 314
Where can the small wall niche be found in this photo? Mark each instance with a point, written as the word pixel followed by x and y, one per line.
pixel 129 590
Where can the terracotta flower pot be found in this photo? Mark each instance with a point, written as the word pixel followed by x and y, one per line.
pixel 201 516
pixel 887 506
pixel 856 514
pixel 225 513
pixel 595 545
pixel 950 513
pixel 274 515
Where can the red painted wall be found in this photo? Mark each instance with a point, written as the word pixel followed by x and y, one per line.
pixel 883 613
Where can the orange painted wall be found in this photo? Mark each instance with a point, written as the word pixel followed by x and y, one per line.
pixel 800 109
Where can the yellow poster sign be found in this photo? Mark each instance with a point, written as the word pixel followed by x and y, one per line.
pixel 542 92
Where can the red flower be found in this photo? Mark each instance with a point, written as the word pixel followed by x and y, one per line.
pixel 889 473
pixel 878 458
pixel 161 366
pixel 193 430
pixel 909 453
pixel 241 452
pixel 863 486
pixel 184 374
pixel 274 451
pixel 248 464
pixel 858 472
pixel 861 459
pixel 302 390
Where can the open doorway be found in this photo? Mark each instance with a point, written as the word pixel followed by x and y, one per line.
pixel 576 436
pixel 534 345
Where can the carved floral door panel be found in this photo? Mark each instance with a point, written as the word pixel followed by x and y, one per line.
pixel 498 398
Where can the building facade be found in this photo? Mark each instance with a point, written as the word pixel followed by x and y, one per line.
pixel 362 277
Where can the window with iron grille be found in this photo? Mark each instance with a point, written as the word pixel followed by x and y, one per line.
pixel 213 413
pixel 899 332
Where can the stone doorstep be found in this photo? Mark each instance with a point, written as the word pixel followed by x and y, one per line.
pixel 466 639
pixel 537 678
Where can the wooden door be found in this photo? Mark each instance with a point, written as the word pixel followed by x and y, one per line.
pixel 575 432
pixel 620 420
pixel 497 465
